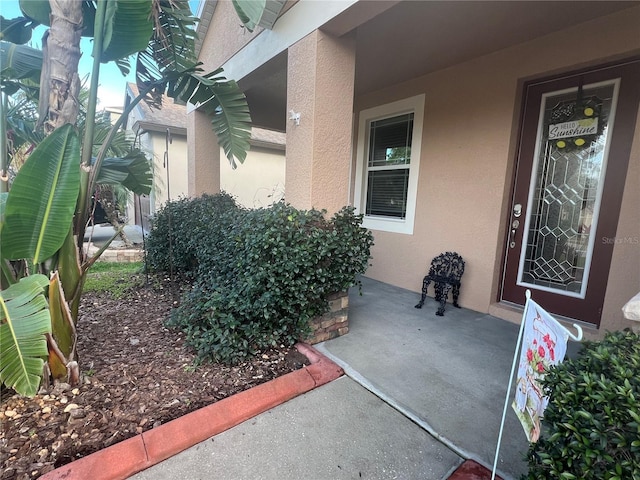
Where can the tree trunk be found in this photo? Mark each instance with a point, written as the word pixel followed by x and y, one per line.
pixel 60 84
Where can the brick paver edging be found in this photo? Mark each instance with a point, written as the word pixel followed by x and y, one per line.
pixel 130 456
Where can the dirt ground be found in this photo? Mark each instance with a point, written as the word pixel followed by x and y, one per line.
pixel 137 375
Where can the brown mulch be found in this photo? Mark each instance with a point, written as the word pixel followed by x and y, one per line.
pixel 137 375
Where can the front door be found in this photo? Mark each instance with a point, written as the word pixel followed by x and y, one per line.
pixel 575 142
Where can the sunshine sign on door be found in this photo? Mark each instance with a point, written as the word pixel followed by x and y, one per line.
pixel 544 343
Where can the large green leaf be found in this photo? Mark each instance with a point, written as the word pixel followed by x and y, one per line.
pixel 19 61
pixel 42 199
pixel 128 28
pixel 24 322
pixel 171 48
pixel 231 120
pixel 132 172
pixel 249 11
pixel 62 326
pixel 3 203
pixel 39 11
pixel 16 30
pixel 168 66
pixel 225 102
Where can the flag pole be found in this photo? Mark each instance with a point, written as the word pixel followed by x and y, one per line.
pixel 516 357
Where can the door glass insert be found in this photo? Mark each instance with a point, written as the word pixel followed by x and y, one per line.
pixel 566 186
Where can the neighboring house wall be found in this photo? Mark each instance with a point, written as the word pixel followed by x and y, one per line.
pixel 258 182
pixel 175 186
pixel 469 133
pixel 150 126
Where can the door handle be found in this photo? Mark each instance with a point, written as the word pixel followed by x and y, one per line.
pixel 512 237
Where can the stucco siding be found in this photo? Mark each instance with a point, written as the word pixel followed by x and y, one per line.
pixel 175 185
pixel 469 140
pixel 258 182
pixel 225 36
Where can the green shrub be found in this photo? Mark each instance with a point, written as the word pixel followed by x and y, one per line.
pixel 592 423
pixel 267 277
pixel 183 230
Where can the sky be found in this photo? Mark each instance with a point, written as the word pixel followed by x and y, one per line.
pixel 111 91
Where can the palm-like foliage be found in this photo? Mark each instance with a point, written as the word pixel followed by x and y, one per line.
pixel 168 65
pixel 24 322
pixel 46 211
pixel 41 204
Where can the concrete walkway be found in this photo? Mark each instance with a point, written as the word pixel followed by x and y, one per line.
pixel 422 394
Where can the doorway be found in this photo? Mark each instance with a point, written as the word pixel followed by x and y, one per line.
pixel 575 142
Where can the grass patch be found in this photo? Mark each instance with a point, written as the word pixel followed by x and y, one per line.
pixel 113 277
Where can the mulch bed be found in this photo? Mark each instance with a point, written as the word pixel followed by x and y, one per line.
pixel 137 375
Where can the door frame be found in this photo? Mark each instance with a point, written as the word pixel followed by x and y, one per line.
pixel 620 149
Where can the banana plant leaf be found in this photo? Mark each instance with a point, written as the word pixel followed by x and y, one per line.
pixel 169 65
pixel 16 30
pixel 128 28
pixel 171 49
pixel 56 360
pixel 249 11
pixel 24 324
pixel 132 172
pixel 3 203
pixel 39 11
pixel 18 62
pixel 69 268
pixel 42 200
pixel 62 326
pixel 227 105
pixel 231 120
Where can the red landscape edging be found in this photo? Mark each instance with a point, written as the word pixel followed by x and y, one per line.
pixel 472 470
pixel 135 454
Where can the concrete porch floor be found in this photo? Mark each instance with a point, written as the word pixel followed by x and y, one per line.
pixel 447 374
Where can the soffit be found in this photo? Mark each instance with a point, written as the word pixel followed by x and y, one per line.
pixel 272 9
pixel 414 38
pixel 396 41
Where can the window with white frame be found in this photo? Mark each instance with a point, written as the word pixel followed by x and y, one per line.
pixel 388 159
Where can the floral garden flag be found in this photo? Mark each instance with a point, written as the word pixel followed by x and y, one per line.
pixel 544 343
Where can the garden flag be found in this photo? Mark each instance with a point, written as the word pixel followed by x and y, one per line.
pixel 544 343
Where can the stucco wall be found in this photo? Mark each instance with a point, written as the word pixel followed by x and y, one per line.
pixel 624 276
pixel 258 182
pixel 204 155
pixel 176 185
pixel 225 36
pixel 320 87
pixel 470 129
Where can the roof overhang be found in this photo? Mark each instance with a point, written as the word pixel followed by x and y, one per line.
pixel 154 127
pixel 271 13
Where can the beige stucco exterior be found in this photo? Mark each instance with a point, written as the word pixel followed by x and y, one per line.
pixel 470 131
pixel 169 183
pixel 258 182
pixel 469 139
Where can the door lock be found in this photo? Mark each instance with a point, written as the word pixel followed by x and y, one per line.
pixel 517 210
pixel 512 237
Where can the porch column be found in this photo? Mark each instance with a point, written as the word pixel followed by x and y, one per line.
pixel 203 150
pixel 320 85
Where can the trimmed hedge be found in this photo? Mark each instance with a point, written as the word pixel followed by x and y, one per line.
pixel 592 422
pixel 183 230
pixel 262 275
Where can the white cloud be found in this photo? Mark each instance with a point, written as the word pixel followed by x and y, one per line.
pixel 111 95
